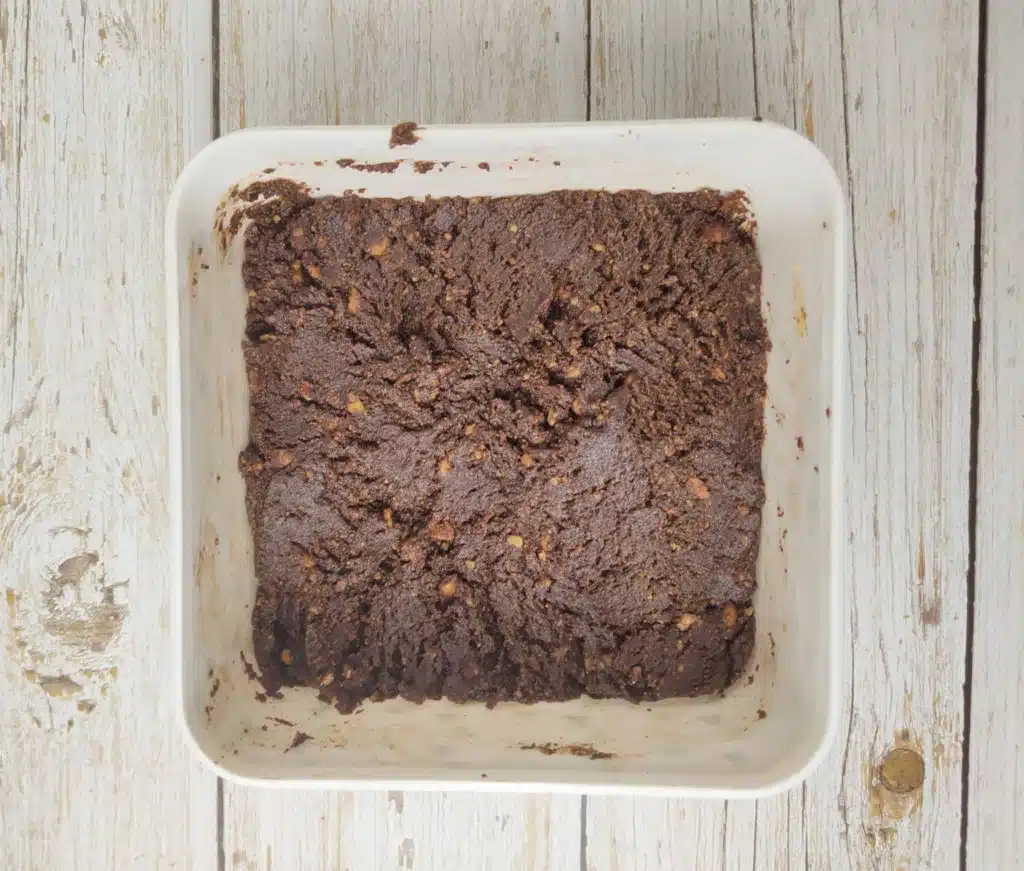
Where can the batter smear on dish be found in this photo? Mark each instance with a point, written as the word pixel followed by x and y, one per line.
pixel 504 449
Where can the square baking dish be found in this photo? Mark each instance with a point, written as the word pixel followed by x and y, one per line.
pixel 769 730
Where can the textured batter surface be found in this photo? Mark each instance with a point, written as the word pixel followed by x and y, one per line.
pixel 504 449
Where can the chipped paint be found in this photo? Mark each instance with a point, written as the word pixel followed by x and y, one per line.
pixel 929 602
pixel 65 616
pixel 79 608
pixel 60 687
pixel 406 853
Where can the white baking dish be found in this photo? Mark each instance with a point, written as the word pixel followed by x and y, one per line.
pixel 707 747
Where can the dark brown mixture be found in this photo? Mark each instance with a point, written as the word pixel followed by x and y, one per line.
pixel 504 449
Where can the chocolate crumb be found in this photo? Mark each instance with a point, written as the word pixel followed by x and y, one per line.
pixel 404 134
pixel 387 167
pixel 250 672
pixel 299 739
pixel 761 713
pixel 586 751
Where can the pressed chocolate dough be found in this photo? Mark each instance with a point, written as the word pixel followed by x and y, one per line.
pixel 504 449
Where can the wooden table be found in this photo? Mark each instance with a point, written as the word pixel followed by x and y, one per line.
pixel 920 105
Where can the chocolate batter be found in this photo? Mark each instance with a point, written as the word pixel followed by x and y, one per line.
pixel 504 449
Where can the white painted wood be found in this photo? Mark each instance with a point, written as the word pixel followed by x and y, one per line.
pixel 912 182
pixel 100 105
pixel 360 62
pixel 403 831
pixel 649 834
pixel 906 90
pixel 665 59
pixel 364 62
pixel 995 833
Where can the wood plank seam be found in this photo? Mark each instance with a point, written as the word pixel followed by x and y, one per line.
pixel 19 266
pixel 855 285
pixel 975 425
pixel 215 71
pixel 215 134
pixel 753 59
pixel 583 798
pixel 587 63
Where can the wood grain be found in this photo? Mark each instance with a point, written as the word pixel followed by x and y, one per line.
pixel 662 59
pixel 895 88
pixel 270 829
pixel 93 131
pixel 995 835
pixel 360 62
pixel 363 62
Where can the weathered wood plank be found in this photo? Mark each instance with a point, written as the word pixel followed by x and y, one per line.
pixel 660 59
pixel 897 98
pixel 360 62
pixel 995 835
pixel 910 82
pixel 363 62
pixel 270 829
pixel 93 131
